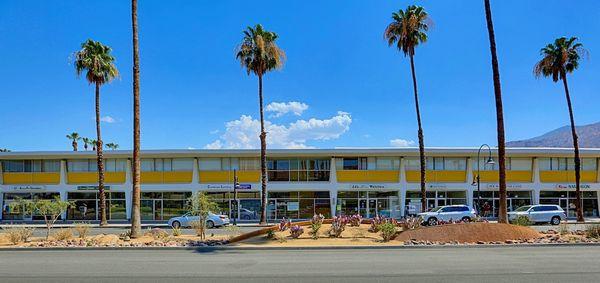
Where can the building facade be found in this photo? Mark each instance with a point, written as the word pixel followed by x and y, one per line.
pixel 369 181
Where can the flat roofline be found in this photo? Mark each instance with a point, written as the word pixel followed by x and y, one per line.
pixel 339 151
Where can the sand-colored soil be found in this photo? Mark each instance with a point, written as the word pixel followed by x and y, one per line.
pixel 470 233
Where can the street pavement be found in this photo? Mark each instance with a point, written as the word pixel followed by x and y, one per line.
pixel 454 264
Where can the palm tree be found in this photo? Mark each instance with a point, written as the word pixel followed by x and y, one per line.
pixel 74 136
pixel 112 146
pixel 97 61
pixel 93 143
pixel 259 54
pixel 502 216
pixel 86 143
pixel 559 59
pixel 407 30
pixel 4 150
pixel 136 226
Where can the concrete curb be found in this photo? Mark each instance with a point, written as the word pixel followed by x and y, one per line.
pixel 238 248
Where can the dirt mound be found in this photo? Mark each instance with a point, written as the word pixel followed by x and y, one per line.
pixel 105 239
pixel 470 233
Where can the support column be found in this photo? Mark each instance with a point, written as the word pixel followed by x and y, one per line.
pixel 333 187
pixel 128 189
pixel 195 174
pixel 63 172
pixel 468 184
pixel 63 197
pixel 536 183
pixel 403 187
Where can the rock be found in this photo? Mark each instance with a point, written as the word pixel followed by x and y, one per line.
pixel 509 242
pixel 126 238
pixel 480 242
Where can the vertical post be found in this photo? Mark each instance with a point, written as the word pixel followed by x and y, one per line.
pixel 236 185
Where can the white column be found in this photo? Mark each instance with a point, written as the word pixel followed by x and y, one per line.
pixel 468 186
pixel 63 197
pixel 63 172
pixel 128 189
pixel 195 174
pixel 403 187
pixel 536 183
pixel 334 187
pixel 128 173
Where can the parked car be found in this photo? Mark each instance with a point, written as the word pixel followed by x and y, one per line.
pixel 213 220
pixel 448 213
pixel 247 214
pixel 547 213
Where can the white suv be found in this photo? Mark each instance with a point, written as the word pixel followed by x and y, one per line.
pixel 448 213
pixel 539 213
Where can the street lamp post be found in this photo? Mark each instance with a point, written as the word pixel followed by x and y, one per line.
pixel 236 186
pixel 489 161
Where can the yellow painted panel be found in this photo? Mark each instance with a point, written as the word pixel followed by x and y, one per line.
pixel 17 178
pixel 46 178
pixel 92 177
pixel 364 176
pixel 567 176
pixel 511 176
pixel 248 176
pixel 437 176
pixel 215 177
pixel 31 178
pixel 177 177
pixel 151 177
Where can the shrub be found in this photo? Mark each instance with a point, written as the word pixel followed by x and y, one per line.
pixel 82 229
pixel 388 231
pixel 315 225
pixel 563 228
pixel 378 220
pixel 14 235
pixel 232 231
pixel 124 235
pixel 199 227
pixel 284 224
pixel 63 234
pixel 176 232
pixel 355 220
pixel 338 225
pixel 296 231
pixel 280 238
pixel 412 223
pixel 270 235
pixel 593 231
pixel 158 234
pixel 522 221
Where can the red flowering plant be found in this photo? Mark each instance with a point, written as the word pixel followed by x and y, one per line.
pixel 284 224
pixel 296 231
pixel 315 224
pixel 338 225
pixel 355 220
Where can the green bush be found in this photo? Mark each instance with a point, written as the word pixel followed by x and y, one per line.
pixel 176 232
pixel 522 221
pixel 388 231
pixel 593 231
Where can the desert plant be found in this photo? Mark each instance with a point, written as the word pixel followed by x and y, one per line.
pixel 388 231
pixel 593 231
pixel 522 221
pixel 176 231
pixel 49 209
pixel 375 223
pixel 199 228
pixel 412 223
pixel 355 220
pixel 232 231
pixel 201 205
pixel 296 231
pixel 315 225
pixel 270 235
pixel 563 228
pixel 19 234
pixel 82 229
pixel 157 234
pixel 338 225
pixel 281 238
pixel 284 224
pixel 63 234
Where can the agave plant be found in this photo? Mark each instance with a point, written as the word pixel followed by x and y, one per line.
pixel 315 225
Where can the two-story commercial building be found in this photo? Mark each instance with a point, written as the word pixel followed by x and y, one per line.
pixel 301 182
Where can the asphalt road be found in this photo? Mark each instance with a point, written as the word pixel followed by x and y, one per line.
pixel 475 264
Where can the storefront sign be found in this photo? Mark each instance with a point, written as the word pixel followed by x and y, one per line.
pixel 27 188
pixel 229 187
pixel 572 186
pixel 508 186
pixel 367 186
pixel 437 186
pixel 91 188
pixel 293 206
pixel 244 187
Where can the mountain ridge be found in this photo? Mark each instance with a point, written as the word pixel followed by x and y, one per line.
pixel 589 137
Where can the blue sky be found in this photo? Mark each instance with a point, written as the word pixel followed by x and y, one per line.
pixel 351 88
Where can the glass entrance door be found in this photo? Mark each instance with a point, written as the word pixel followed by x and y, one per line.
pixel 362 207
pixel 151 209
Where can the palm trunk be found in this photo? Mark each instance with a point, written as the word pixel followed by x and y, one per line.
pixel 502 213
pixel 420 136
pixel 100 161
pixel 263 157
pixel 576 148
pixel 74 144
pixel 136 225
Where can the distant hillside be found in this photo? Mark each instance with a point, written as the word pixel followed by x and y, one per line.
pixel 589 136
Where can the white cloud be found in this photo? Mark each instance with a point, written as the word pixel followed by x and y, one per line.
pixel 401 143
pixel 243 132
pixel 282 108
pixel 214 132
pixel 108 119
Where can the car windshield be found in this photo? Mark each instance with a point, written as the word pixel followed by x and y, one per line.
pixel 523 208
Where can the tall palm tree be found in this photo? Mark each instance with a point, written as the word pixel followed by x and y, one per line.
pixel 96 60
pixel 93 143
pixel 502 216
pixel 112 146
pixel 86 143
pixel 559 59
pixel 136 226
pixel 407 30
pixel 74 136
pixel 259 54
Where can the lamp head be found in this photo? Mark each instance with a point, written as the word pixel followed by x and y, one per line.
pixel 490 161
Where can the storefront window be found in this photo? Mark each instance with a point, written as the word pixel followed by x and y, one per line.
pixel 567 200
pixel 15 213
pixel 434 199
pixel 490 201
pixel 87 206
pixel 369 203
pixel 163 205
pixel 298 205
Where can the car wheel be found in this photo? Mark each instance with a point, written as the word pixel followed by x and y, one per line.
pixel 432 221
pixel 210 224
pixel 555 220
pixel 466 219
pixel 176 224
pixel 246 217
